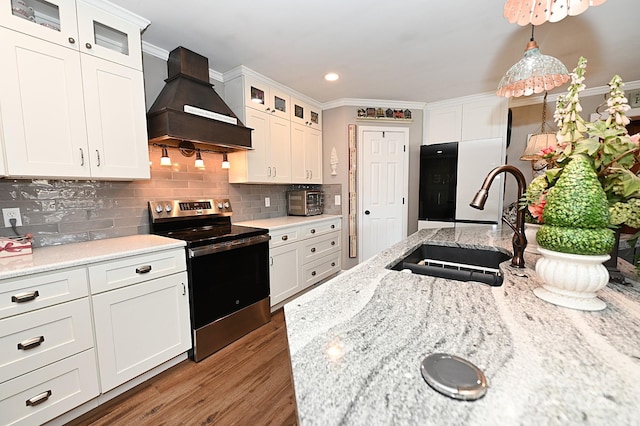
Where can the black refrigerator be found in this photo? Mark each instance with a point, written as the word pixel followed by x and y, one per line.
pixel 438 172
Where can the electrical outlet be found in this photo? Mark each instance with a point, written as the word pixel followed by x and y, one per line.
pixel 336 200
pixel 267 202
pixel 11 213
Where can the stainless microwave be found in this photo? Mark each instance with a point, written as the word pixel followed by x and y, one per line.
pixel 305 202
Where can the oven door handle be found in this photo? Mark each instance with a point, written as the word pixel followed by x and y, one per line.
pixel 228 245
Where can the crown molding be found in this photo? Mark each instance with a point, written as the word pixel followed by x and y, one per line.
pixel 120 12
pixel 373 103
pixel 152 50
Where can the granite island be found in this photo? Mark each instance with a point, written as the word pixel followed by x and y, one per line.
pixel 357 342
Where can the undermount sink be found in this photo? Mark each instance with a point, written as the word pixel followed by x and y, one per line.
pixel 455 263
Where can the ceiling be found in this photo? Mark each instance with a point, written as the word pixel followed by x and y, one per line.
pixel 409 50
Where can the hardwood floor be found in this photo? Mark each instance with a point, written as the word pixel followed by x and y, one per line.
pixel 247 383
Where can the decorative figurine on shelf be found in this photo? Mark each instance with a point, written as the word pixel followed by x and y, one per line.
pixel 389 113
pixel 407 114
pixel 334 161
pixel 362 113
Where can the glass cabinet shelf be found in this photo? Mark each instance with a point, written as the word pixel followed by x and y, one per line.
pixel 38 11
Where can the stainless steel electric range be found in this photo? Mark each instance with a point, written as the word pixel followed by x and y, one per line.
pixel 228 267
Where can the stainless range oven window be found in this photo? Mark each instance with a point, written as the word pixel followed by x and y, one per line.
pixel 228 280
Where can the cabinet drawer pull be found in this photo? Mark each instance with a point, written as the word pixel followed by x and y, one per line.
pixel 98 157
pixel 38 399
pixel 313 249
pixel 333 243
pixel 72 40
pixel 333 264
pixel 30 343
pixel 88 45
pixel 285 238
pixel 184 290
pixel 313 231
pixel 25 297
pixel 81 157
pixel 313 274
pixel 143 269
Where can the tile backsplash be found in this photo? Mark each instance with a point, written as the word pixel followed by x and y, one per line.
pixel 67 211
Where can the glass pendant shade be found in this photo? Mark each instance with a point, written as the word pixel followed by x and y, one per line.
pixel 534 73
pixel 537 12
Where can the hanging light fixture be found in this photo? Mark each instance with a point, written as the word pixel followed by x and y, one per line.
pixel 165 160
pixel 199 163
pixel 225 161
pixel 537 12
pixel 539 141
pixel 534 73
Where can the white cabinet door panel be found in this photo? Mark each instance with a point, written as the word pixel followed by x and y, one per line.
pixel 116 124
pixel 141 326
pixel 475 160
pixel 43 112
pixel 285 266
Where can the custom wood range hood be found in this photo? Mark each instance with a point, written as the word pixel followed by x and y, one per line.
pixel 188 109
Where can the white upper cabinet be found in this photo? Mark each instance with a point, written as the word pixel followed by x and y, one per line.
pixel 444 124
pixel 72 106
pixel 261 96
pixel 285 149
pixel 306 114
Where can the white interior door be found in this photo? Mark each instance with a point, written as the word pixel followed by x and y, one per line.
pixel 383 188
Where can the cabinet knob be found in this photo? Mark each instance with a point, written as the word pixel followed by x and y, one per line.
pixel 72 40
pixel 313 274
pixel 367 212
pixel 333 264
pixel 88 45
pixel 333 227
pixel 313 249
pixel 313 231
pixel 285 237
pixel 333 243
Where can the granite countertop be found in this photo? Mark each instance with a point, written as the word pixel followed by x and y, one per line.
pixel 45 259
pixel 357 342
pixel 285 221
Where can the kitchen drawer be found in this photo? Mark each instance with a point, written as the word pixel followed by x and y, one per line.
pixel 38 338
pixel 135 269
pixel 281 237
pixel 320 269
pixel 320 228
pixel 20 295
pixel 315 248
pixel 41 395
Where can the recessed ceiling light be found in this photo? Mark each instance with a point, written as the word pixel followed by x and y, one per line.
pixel 332 76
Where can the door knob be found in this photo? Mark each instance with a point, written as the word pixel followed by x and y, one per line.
pixel 367 212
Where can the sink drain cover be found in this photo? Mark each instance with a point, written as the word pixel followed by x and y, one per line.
pixel 454 376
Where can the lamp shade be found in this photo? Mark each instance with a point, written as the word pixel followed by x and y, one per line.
pixel 534 73
pixel 537 12
pixel 537 143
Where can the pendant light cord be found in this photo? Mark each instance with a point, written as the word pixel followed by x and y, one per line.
pixel 532 28
pixel 544 111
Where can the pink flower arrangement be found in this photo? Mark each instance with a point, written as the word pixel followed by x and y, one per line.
pixel 537 209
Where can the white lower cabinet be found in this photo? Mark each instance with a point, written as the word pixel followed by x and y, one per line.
pixel 140 326
pixel 302 255
pixel 69 334
pixel 43 394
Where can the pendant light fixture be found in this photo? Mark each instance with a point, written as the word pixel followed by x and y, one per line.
pixel 537 12
pixel 534 73
pixel 225 161
pixel 199 163
pixel 165 160
pixel 541 140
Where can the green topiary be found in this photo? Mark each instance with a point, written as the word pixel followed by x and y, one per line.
pixel 576 215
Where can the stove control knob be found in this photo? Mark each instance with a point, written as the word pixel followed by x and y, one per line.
pixel 159 208
pixel 219 206
pixel 226 205
pixel 167 208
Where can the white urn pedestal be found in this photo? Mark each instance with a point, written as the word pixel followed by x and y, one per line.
pixel 572 280
pixel 530 231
